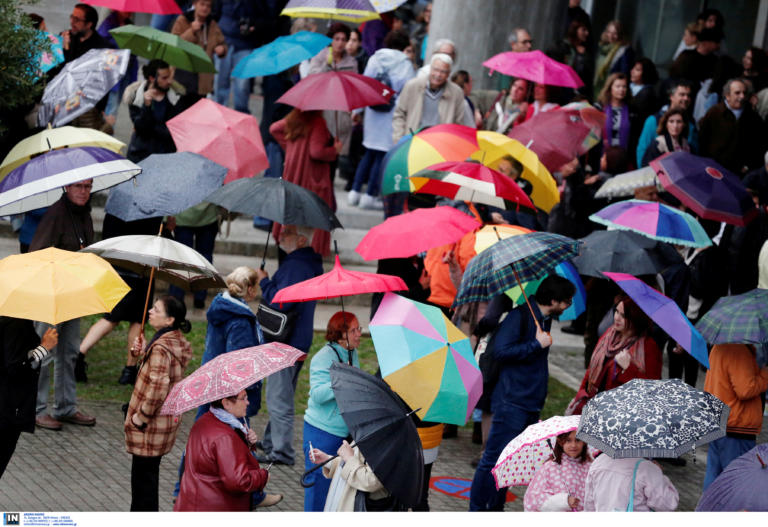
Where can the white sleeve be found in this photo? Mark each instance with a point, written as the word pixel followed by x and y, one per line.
pixel 556 503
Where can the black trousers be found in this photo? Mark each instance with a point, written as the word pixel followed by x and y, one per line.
pixel 8 439
pixel 145 476
pixel 423 505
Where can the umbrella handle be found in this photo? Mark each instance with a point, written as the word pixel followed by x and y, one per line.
pixel 308 472
pixel 266 246
pixel 514 270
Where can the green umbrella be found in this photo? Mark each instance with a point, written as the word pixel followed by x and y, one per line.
pixel 151 43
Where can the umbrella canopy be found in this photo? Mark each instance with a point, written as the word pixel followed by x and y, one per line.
pixel 705 187
pixel 426 359
pixel 54 286
pixel 173 262
pixel 624 185
pixel 54 139
pixel 381 426
pixel 167 185
pixel 348 10
pixel 443 142
pixel 495 146
pixel 281 54
pixel 470 181
pixel 81 84
pixel 336 90
pixel 623 252
pixel 151 43
pixel 383 6
pixel 278 200
pixel 534 66
pixel 738 319
pixel 414 232
pixel 665 313
pixel 339 282
pixel 54 57
pixel 159 7
pixel 652 418
pixel 741 486
pixel 39 182
pixel 655 220
pixel 561 135
pixel 225 136
pixel 526 453
pixel 229 374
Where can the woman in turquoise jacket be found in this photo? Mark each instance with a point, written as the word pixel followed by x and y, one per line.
pixel 324 428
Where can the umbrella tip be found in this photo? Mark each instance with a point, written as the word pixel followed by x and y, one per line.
pixel 761 460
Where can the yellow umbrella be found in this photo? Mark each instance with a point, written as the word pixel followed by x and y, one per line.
pixel 54 286
pixel 53 138
pixel 494 146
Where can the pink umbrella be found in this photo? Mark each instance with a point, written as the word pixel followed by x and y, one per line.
pixel 227 137
pixel 336 90
pixel 229 374
pixel 160 7
pixel 414 232
pixel 534 66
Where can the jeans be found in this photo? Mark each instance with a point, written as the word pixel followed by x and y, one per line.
pixel 145 479
pixel 201 239
pixel 278 436
pixel 314 496
pixel 223 80
pixel 368 171
pixel 508 422
pixel 63 356
pixel 721 452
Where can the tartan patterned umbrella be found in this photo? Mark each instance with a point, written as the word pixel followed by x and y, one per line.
pixel 738 318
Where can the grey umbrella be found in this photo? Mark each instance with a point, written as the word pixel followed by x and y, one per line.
pixel 167 185
pixel 623 252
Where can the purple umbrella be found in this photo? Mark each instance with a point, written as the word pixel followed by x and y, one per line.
pixel 705 187
pixel 741 486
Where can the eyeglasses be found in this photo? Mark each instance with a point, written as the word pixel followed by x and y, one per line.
pixel 529 41
pixel 74 18
pixel 356 330
pixel 81 186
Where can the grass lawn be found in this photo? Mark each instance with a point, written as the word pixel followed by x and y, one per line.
pixel 107 358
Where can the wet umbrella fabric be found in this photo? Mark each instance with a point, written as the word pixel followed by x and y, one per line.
pixel 624 185
pixel 348 10
pixel 534 66
pixel 151 43
pixel 741 486
pixel 623 252
pixel 336 90
pixel 160 7
pixel 167 185
pixel 652 418
pixel 281 54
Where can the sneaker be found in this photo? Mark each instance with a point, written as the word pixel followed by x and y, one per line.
pixel 270 500
pixel 353 198
pixel 81 368
pixel 129 375
pixel 371 203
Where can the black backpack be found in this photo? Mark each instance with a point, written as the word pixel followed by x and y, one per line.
pixel 383 78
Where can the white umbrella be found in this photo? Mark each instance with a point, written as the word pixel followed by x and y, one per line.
pixel 623 185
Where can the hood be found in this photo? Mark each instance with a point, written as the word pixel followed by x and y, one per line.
pixel 224 307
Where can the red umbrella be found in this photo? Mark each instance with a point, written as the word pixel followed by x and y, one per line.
pixel 339 282
pixel 159 7
pixel 534 66
pixel 414 232
pixel 336 90
pixel 227 137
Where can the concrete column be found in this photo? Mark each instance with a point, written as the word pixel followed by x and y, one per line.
pixel 480 28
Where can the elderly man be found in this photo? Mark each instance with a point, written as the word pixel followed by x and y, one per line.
pixel 679 98
pixel 427 102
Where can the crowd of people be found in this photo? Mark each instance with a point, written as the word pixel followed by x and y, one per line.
pixel 709 104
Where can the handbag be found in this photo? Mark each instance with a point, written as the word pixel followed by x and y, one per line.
pixel 364 503
pixel 276 325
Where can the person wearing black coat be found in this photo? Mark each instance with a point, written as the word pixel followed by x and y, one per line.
pixel 22 352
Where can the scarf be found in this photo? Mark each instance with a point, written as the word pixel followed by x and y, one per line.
pixel 609 345
pixel 623 126
pixel 228 419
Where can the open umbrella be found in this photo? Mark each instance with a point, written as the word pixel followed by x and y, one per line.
pixel 348 10
pixel 225 136
pixel 624 185
pixel 41 181
pixel 167 185
pixel 383 6
pixel 151 43
pixel 81 84
pixel 54 57
pixel 665 313
pixel 160 7
pixel 426 360
pixel 623 252
pixel 705 187
pixel 414 232
pixel 228 374
pixel 654 220
pixel 53 286
pixel 280 54
pixel 336 90
pixel 382 428
pixel 652 418
pixel 534 66
pixel 741 486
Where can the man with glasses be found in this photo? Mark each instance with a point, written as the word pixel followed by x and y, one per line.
pixel 82 35
pixel 66 225
pixel 519 41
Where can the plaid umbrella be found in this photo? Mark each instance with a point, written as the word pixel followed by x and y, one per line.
pixel 738 318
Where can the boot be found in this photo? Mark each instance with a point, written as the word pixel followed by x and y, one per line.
pixel 477 433
pixel 81 368
pixel 129 375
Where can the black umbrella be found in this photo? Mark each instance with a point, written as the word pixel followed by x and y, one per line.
pixel 382 428
pixel 623 252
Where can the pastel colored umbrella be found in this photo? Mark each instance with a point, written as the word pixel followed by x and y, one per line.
pixel 624 185
pixel 495 146
pixel 229 374
pixel 624 252
pixel 426 360
pixel 225 136
pixel 54 57
pixel 40 182
pixel 654 220
pixel 383 6
pixel 740 486
pixel 415 232
pixel 347 10
pixel 159 7
pixel 705 187
pixel 53 286
pixel 151 43
pixel 281 54
pixel 527 452
pixel 336 90
pixel 443 142
pixel 339 282
pixel 665 313
pixel 470 181
pixel 534 66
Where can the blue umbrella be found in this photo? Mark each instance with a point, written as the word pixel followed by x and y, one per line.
pixel 54 57
pixel 741 486
pixel 168 184
pixel 281 54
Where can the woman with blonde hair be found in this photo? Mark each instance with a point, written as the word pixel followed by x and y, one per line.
pixel 614 101
pixel 614 55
